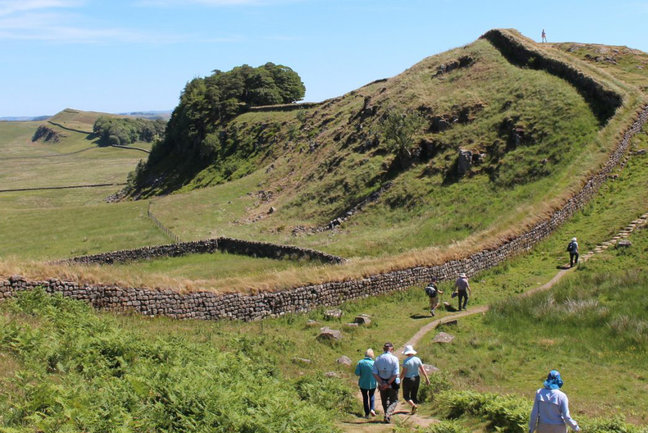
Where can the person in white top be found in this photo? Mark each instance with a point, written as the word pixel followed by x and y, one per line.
pixel 550 413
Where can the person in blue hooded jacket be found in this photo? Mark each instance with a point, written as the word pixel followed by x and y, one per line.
pixel 367 382
pixel 550 413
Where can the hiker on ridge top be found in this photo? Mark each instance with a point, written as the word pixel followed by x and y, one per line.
pixel 572 248
pixel 544 36
pixel 386 371
pixel 433 293
pixel 462 290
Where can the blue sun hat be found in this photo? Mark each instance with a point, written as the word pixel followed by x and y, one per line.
pixel 554 381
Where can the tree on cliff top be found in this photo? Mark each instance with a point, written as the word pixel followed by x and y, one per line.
pixel 207 104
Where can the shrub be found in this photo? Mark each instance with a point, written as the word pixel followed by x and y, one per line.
pixel 507 414
pixel 327 392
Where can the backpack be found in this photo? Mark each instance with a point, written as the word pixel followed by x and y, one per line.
pixel 571 247
pixel 430 291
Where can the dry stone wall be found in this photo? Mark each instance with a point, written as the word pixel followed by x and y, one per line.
pixel 603 101
pixel 228 245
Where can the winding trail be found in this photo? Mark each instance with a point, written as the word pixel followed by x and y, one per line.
pixel 639 222
pixel 376 425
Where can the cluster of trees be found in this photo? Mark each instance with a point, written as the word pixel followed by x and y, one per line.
pixel 196 133
pixel 122 131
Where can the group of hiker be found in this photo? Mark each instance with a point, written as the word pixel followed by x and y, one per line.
pixel 388 375
pixel 462 292
pixel 550 413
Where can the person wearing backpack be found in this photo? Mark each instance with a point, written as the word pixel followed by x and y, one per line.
pixel 433 292
pixel 572 248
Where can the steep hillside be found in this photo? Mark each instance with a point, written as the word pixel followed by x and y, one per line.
pixel 476 139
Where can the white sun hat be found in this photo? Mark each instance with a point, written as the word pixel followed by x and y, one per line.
pixel 409 350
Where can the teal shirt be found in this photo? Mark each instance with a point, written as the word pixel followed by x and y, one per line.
pixel 412 363
pixel 364 369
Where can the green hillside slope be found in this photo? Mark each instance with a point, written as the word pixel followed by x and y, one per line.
pixel 531 137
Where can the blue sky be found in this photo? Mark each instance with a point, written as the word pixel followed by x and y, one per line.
pixel 118 55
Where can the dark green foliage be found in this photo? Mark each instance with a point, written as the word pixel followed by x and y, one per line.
pixel 81 372
pixel 198 135
pixel 121 131
pixel 399 129
pixel 506 414
pixel 327 392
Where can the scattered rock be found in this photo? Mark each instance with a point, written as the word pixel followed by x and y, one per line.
pixel 331 374
pixel 301 361
pixel 450 323
pixel 624 244
pixel 333 314
pixel 272 210
pixel 344 360
pixel 362 319
pixel 464 161
pixel 351 325
pixel 329 334
pixel 443 337
pixel 312 323
pixel 449 307
pixel 430 368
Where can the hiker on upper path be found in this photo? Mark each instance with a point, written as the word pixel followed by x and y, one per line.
pixel 550 413
pixel 410 377
pixel 433 293
pixel 385 370
pixel 462 290
pixel 572 248
pixel 544 36
pixel 367 382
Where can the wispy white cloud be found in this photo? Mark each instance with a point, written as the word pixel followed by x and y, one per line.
pixel 62 21
pixel 30 24
pixel 214 3
pixel 8 7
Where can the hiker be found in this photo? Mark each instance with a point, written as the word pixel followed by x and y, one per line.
pixel 462 290
pixel 367 382
pixel 544 36
pixel 385 370
pixel 572 248
pixel 433 293
pixel 410 377
pixel 550 412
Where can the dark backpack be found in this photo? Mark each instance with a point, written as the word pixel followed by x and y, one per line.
pixel 571 247
pixel 431 290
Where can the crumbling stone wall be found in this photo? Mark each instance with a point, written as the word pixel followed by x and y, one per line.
pixel 228 245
